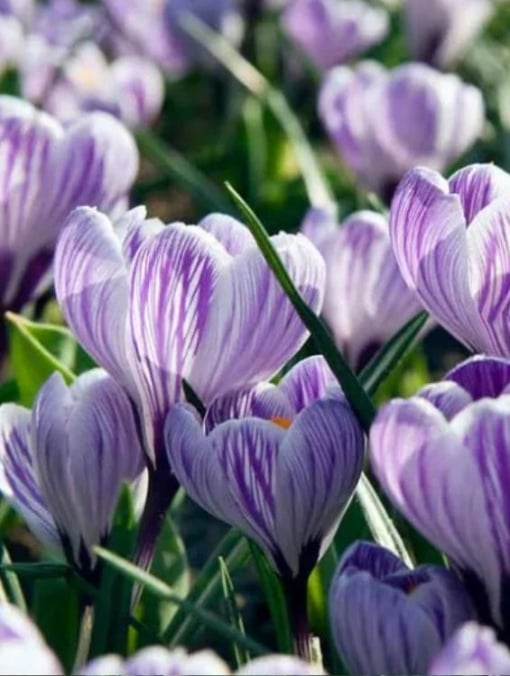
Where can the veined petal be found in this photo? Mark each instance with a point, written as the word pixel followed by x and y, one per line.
pixel 134 228
pixel 306 382
pixel 488 242
pixel 253 328
pixel 140 89
pixel 279 665
pixel 482 376
pixel 232 234
pixel 428 235
pixel 92 289
pixel 449 397
pixel 157 660
pixel 477 185
pixel 172 280
pixel 318 468
pixel 18 480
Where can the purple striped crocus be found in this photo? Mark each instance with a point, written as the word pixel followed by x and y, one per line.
pixel 451 240
pixel 366 299
pixel 440 31
pixel 67 85
pixel 389 619
pixel 332 32
pixel 285 480
pixel 45 172
pixel 62 465
pixel 386 122
pixel 442 457
pixel 472 650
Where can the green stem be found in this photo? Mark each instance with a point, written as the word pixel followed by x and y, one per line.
pixel 84 638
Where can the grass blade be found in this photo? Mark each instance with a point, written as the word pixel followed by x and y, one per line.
pixel 166 593
pixel 10 582
pixel 318 191
pixel 233 614
pixel 353 390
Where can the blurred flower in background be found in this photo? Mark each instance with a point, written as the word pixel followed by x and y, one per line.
pixel 386 122
pixel 332 32
pixel 440 31
pixel 366 299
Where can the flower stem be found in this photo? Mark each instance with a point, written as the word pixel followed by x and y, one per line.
pixel 296 597
pixel 85 636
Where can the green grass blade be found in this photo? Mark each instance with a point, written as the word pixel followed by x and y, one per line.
pixel 234 616
pixel 353 390
pixel 176 167
pixel 319 193
pixel 166 593
pixel 390 355
pixel 10 582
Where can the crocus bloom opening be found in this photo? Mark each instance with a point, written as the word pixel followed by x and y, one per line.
pixel 451 241
pixel 193 302
pixel 440 31
pixel 388 619
pixel 449 478
pixel 366 299
pixel 63 464
pixel 471 651
pixel 332 32
pixel 45 172
pixel 386 122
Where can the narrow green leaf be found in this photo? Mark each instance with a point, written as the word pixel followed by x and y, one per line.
pixel 166 593
pixel 32 355
pixel 234 616
pixel 353 390
pixel 10 582
pixel 390 355
pixel 275 598
pixel 39 570
pixel 176 167
pixel 206 587
pixel 222 50
pixel 381 526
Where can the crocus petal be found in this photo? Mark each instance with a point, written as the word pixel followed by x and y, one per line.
pixel 319 465
pixel 234 236
pixel 471 651
pixel 140 89
pixel 261 330
pixel 108 664
pixel 432 254
pixel 157 660
pixel 488 243
pixel 92 289
pixel 306 382
pixel 449 397
pixel 279 665
pixel 482 376
pixel 18 481
pixel 22 648
pixel 477 185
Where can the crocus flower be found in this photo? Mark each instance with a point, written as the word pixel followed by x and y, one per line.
pixel 386 122
pixel 45 172
pixel 62 464
pixel 388 619
pixel 447 473
pixel 472 650
pixel 440 31
pixel 22 647
pixel 11 42
pixel 332 32
pixel 366 299
pixel 131 88
pixel 68 22
pixel 451 242
pixel 193 302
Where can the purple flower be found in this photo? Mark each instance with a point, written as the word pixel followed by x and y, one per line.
pixel 68 22
pixel 448 474
pixel 386 122
pixel 11 42
pixel 131 88
pixel 22 648
pixel 472 650
pixel 45 172
pixel 388 619
pixel 366 298
pixel 63 464
pixel 440 31
pixel 193 302
pixel 284 483
pixel 461 274
pixel 332 32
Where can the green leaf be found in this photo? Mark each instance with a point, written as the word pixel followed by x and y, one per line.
pixel 206 588
pixel 275 597
pixel 234 616
pixel 11 587
pixel 176 167
pixel 169 563
pixel 113 600
pixel 9 391
pixel 319 193
pixel 353 390
pixel 37 351
pixel 388 358
pixel 166 593
pixel 37 571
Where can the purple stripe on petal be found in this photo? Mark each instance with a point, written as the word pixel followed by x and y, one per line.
pixel 482 376
pixel 233 235
pixel 449 397
pixel 306 382
pixel 477 186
